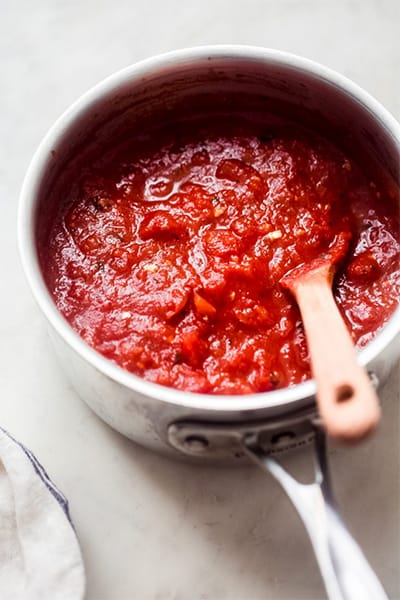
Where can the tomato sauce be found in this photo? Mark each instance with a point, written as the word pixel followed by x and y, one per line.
pixel 168 253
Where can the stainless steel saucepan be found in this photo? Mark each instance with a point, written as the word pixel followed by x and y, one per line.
pixel 199 426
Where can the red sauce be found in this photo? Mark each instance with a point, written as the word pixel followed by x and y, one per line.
pixel 168 258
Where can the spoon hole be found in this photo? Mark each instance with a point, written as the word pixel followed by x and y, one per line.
pixel 344 392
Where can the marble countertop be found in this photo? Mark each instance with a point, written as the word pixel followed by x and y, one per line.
pixel 151 528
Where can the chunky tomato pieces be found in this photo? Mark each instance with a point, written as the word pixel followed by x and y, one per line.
pixel 170 264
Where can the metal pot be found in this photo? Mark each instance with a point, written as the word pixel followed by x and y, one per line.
pixel 199 426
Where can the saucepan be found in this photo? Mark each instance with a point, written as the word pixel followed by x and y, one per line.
pixel 201 427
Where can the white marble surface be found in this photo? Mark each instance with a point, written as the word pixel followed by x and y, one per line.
pixel 150 528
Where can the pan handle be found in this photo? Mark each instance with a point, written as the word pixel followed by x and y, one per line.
pixel 344 568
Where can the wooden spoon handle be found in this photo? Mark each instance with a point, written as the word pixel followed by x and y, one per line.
pixel 347 402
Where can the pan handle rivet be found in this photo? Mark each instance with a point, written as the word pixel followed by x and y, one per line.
pixel 196 443
pixel 283 438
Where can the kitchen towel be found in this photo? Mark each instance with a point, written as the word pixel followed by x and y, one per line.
pixel 40 556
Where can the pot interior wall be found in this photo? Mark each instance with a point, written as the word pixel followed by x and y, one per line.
pixel 266 93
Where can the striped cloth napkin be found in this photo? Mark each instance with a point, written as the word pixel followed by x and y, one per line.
pixel 39 552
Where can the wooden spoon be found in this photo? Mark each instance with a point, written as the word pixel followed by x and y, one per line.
pixel 347 402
